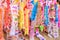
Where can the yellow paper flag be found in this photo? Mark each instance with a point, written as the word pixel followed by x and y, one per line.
pixel 26 22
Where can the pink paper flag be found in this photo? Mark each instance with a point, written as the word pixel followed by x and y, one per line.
pixel 59 17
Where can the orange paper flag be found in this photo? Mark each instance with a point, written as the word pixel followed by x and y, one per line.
pixel 1 25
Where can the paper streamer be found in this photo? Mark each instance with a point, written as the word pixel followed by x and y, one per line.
pixel 14 23
pixel 40 14
pixel 1 24
pixel 55 25
pixel 46 15
pixel 21 15
pixel 56 12
pixel 31 27
pixel 26 21
pixel 34 11
pixel 59 16
pixel 7 16
pixel 33 15
pixel 56 33
pixel 52 12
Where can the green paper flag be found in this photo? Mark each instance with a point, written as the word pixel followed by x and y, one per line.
pixel 41 28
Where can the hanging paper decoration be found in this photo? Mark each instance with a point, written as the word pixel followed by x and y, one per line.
pixel 34 11
pixel 39 14
pixel 31 27
pixel 50 28
pixel 26 21
pixel 33 15
pixel 1 24
pixel 7 16
pixel 59 16
pixel 52 12
pixel 14 23
pixel 56 12
pixel 56 34
pixel 46 14
pixel 53 29
pixel 21 15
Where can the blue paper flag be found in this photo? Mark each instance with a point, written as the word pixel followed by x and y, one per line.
pixel 46 15
pixel 56 12
pixel 34 11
